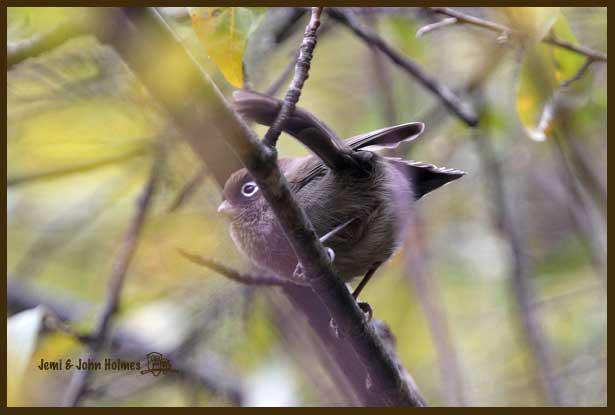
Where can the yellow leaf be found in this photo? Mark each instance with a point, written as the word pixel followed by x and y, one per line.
pixel 543 70
pixel 535 22
pixel 224 32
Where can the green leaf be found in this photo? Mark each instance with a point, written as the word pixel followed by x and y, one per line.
pixel 22 332
pixel 544 68
pixel 224 31
pixel 567 62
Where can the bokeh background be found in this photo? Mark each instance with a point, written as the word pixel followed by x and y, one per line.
pixel 499 298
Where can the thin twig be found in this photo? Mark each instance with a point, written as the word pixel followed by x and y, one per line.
pixel 278 83
pixel 189 189
pixel 475 21
pixel 580 49
pixel 447 96
pixel 578 75
pixel 435 26
pixel 288 26
pixel 78 384
pixel 382 79
pixel 234 275
pixel 506 31
pixel 302 70
pixel 78 168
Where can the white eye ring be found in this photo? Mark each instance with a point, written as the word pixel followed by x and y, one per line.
pixel 249 189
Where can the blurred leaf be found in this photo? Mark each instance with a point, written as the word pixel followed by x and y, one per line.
pixel 543 70
pixel 22 332
pixel 75 108
pixel 24 22
pixel 534 22
pixel 224 32
pixel 535 87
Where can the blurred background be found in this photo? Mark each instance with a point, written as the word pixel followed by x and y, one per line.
pixel 498 298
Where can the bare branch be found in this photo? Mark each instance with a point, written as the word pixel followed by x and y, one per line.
pixel 506 31
pixel 78 168
pixel 302 70
pixel 435 26
pixel 281 79
pixel 448 97
pixel 382 79
pixel 237 276
pixel 466 18
pixel 78 383
pixel 578 75
pixel 189 188
pixel 580 49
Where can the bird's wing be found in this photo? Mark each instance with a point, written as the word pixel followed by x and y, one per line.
pixel 300 171
pixel 312 132
pixel 388 137
pixel 425 177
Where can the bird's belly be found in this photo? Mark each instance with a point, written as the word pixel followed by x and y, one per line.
pixel 266 248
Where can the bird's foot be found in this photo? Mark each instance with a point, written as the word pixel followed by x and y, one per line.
pixel 330 254
pixel 299 273
pixel 367 310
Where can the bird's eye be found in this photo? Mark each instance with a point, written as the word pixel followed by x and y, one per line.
pixel 249 189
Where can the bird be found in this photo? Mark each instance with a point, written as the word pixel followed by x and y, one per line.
pixel 359 202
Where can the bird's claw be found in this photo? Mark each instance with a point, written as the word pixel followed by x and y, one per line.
pixel 299 272
pixel 330 254
pixel 367 310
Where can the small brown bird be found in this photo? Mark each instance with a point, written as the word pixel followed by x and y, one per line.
pixel 364 198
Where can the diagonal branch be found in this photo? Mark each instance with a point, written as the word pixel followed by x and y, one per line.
pixel 442 92
pixel 236 276
pixel 188 190
pixel 580 49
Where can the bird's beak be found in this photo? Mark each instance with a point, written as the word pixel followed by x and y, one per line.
pixel 226 209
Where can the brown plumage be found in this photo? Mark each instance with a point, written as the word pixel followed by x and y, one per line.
pixel 345 181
